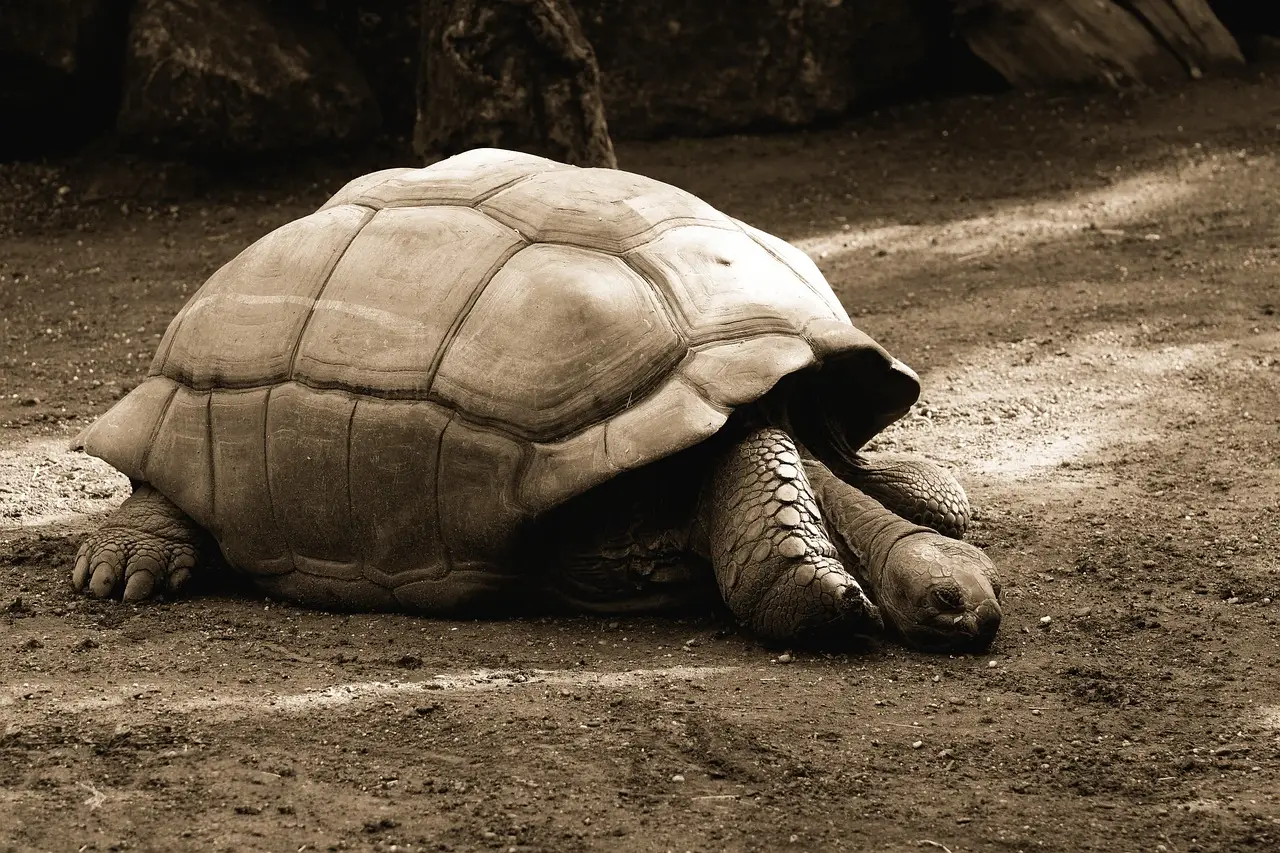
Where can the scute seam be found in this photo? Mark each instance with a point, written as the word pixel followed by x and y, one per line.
pixel 446 550
pixel 426 202
pixel 213 480
pixel 812 289
pixel 358 542
pixel 328 275
pixel 155 430
pixel 459 320
pixel 674 320
pixel 266 475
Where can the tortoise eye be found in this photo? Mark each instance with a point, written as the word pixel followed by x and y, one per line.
pixel 948 598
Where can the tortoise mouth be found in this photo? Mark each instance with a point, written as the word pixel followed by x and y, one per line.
pixel 966 630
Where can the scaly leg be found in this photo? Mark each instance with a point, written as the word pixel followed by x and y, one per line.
pixel 775 564
pixel 914 488
pixel 147 547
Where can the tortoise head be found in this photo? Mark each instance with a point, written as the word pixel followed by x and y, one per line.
pixel 940 594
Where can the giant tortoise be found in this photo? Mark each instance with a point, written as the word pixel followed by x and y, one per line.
pixel 501 379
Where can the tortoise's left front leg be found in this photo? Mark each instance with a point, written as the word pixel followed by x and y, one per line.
pixel 914 488
pixel 148 546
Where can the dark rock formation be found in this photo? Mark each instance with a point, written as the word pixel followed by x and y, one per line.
pixel 696 67
pixel 1254 23
pixel 384 37
pixel 235 78
pixel 512 74
pixel 59 72
pixel 1035 44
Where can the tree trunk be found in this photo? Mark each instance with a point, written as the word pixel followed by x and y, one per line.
pixel 512 74
pixel 1034 43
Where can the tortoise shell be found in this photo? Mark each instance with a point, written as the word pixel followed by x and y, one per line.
pixel 367 405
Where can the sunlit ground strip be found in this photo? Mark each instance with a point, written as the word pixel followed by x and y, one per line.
pixel 1129 200
pixel 137 700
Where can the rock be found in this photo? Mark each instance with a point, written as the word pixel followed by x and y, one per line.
pixel 1135 42
pixel 511 74
pixel 59 70
pixel 238 78
pixel 698 68
pixel 383 36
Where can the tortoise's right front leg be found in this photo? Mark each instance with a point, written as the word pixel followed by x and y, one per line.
pixel 148 546
pixel 776 566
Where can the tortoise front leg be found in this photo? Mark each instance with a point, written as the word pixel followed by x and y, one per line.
pixel 776 567
pixel 914 488
pixel 148 546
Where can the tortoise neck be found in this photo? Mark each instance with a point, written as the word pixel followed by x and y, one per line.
pixel 859 524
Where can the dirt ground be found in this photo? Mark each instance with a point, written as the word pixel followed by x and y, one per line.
pixel 1087 286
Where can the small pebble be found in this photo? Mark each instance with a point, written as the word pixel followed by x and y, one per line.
pixel 917 744
pixel 785 657
pixel 1045 620
pixel 677 778
pixel 991 664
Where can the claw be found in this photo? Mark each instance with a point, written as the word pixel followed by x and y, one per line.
pixel 103 580
pixel 178 577
pixel 148 546
pixel 139 586
pixel 80 575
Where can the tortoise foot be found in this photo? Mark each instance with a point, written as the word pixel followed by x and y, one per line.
pixel 818 600
pixel 147 548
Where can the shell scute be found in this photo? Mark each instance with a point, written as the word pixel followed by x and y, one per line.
pixel 734 373
pixel 180 463
pixel 479 510
pixel 244 520
pixel 395 448
pixel 561 338
pixel 239 329
pixel 307 437
pixel 463 179
pixel 801 264
pixel 724 285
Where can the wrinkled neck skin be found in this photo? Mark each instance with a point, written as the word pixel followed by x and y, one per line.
pixel 847 510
